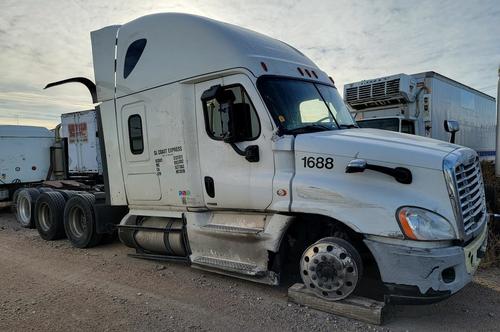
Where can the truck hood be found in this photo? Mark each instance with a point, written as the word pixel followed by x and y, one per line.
pixel 384 146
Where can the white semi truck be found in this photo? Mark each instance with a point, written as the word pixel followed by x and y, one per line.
pixel 235 153
pixel 426 104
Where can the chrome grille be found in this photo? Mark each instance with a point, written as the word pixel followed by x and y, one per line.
pixel 470 190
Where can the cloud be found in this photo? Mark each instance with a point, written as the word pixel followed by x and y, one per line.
pixel 44 41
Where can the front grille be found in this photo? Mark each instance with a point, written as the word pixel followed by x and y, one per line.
pixel 470 189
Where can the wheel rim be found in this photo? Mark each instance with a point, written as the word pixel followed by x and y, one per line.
pixel 77 222
pixel 24 209
pixel 329 271
pixel 44 219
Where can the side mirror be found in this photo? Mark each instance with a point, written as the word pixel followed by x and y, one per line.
pixel 451 126
pixel 356 166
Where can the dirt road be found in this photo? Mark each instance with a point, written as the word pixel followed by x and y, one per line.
pixel 52 286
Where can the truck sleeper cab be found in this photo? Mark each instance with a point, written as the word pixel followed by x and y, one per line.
pixel 235 153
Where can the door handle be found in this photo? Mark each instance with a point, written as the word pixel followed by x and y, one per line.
pixel 210 186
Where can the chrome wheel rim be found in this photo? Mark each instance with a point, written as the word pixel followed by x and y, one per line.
pixel 44 217
pixel 329 271
pixel 24 210
pixel 77 222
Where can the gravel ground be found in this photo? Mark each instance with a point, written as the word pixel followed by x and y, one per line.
pixel 50 286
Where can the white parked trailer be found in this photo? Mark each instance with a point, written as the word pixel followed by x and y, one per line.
pixel 80 130
pixel 235 153
pixel 420 104
pixel 24 156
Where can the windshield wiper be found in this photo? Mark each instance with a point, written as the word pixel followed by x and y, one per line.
pixel 347 126
pixel 308 129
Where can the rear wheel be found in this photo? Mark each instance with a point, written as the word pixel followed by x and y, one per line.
pixel 331 268
pixel 25 205
pixel 79 221
pixel 14 199
pixel 67 194
pixel 49 215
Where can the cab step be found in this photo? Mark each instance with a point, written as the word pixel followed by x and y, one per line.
pixel 228 265
pixel 231 229
pixel 236 269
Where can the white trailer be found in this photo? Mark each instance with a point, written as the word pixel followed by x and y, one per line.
pixel 84 155
pixel 420 104
pixel 235 153
pixel 25 156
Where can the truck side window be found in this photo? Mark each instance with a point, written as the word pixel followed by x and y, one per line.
pixel 135 134
pixel 133 55
pixel 216 122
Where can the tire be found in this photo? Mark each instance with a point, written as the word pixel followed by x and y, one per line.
pixel 14 199
pixel 45 189
pixel 25 205
pixel 332 268
pixel 79 221
pixel 67 194
pixel 49 215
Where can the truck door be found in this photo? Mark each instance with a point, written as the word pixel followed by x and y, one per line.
pixel 229 179
pixel 139 173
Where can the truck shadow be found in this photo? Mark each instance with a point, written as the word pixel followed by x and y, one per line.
pixel 472 308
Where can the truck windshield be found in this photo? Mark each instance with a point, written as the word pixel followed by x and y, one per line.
pixel 302 106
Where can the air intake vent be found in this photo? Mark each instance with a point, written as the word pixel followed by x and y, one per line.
pixel 364 91
pixel 383 91
pixel 392 86
pixel 351 94
pixel 378 89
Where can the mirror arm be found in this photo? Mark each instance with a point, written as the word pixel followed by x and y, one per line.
pixel 237 149
pixel 452 139
pixel 251 152
pixel 401 174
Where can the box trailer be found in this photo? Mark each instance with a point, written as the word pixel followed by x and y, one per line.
pixel 30 155
pixel 24 156
pixel 420 104
pixel 233 152
pixel 84 155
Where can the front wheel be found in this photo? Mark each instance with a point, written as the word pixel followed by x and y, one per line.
pixel 331 268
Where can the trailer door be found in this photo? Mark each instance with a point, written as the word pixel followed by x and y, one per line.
pixel 228 179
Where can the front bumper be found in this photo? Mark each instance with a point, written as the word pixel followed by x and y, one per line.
pixel 424 275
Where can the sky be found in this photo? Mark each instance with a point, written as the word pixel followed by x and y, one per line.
pixel 49 40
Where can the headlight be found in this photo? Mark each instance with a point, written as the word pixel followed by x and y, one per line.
pixel 421 224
